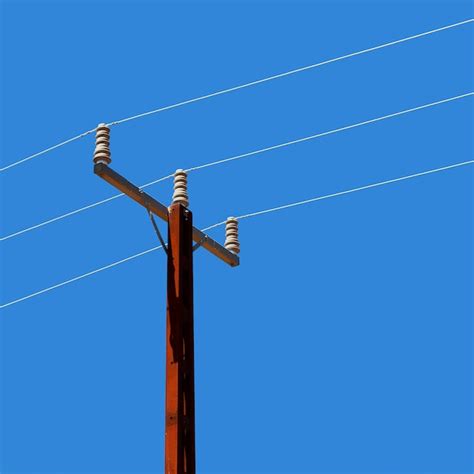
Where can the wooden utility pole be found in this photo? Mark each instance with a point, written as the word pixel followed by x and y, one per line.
pixel 180 451
pixel 179 426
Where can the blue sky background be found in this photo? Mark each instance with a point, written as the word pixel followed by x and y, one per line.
pixel 343 342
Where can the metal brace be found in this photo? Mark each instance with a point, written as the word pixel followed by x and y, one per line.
pixel 198 244
pixel 158 233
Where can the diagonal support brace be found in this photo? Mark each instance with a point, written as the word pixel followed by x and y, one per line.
pixel 158 233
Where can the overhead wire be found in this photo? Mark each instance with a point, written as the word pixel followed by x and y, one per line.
pixel 354 190
pixel 240 156
pixel 293 71
pixel 242 217
pixel 242 86
pixel 46 150
pixel 80 277
pixel 77 211
pixel 330 132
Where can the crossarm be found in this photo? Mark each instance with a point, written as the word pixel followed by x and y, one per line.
pixel 161 211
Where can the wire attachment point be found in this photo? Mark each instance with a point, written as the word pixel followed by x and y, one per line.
pixel 180 194
pixel 232 235
pixel 102 144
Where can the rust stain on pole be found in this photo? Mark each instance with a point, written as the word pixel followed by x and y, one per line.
pixel 180 454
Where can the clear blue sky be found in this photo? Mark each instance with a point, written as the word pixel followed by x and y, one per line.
pixel 343 342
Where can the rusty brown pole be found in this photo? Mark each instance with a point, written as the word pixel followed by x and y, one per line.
pixel 180 457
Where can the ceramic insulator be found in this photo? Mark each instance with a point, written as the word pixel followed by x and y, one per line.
pixel 232 235
pixel 180 193
pixel 102 144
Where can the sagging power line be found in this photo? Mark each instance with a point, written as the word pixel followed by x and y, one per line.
pixel 242 86
pixel 237 157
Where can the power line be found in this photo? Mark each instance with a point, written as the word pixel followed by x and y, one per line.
pixel 80 277
pixel 77 211
pixel 237 157
pixel 46 150
pixel 354 190
pixel 293 71
pixel 244 216
pixel 243 86
pixel 331 132
pixel 58 218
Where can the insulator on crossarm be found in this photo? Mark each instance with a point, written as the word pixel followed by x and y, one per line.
pixel 102 144
pixel 180 194
pixel 232 235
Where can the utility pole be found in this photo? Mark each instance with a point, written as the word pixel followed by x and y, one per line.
pixel 180 452
pixel 179 416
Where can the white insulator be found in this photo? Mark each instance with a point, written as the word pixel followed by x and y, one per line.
pixel 232 235
pixel 102 144
pixel 180 194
